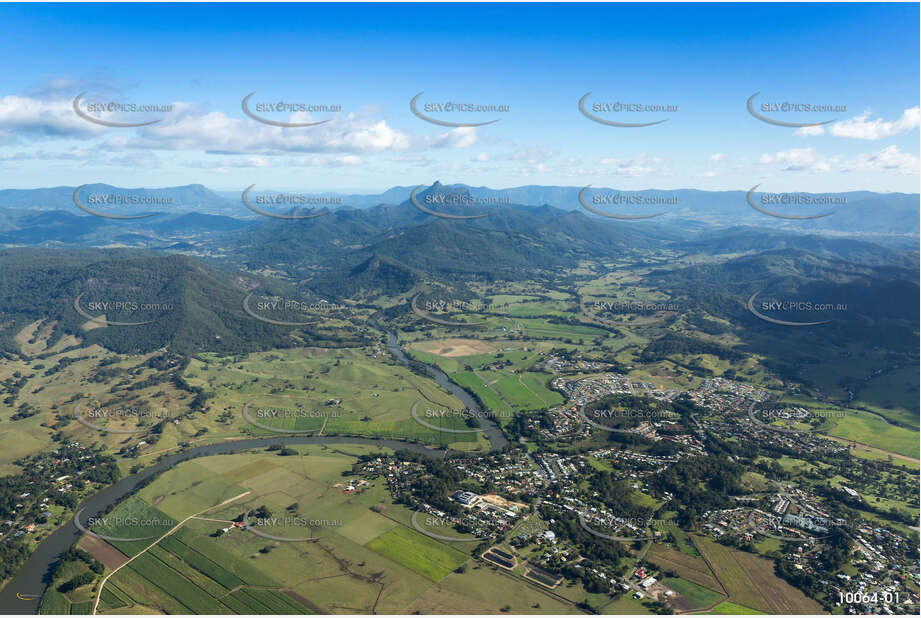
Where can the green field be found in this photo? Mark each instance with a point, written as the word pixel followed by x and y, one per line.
pixel 627 605
pixel 484 590
pixel 865 428
pixel 134 518
pixel 362 562
pixel 874 454
pixel 491 400
pixel 750 580
pixel 259 601
pixel 53 602
pixel 697 595
pixel 727 608
pixel 730 574
pixel 74 376
pixel 422 554
pixel 360 392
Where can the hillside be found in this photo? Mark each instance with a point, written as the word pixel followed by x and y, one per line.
pixel 130 301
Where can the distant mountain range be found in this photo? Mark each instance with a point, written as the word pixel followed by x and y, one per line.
pixel 184 199
pixel 890 218
pixel 363 255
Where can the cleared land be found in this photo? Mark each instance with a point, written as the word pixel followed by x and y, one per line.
pixel 865 428
pixel 359 391
pixel 729 608
pixel 692 569
pixel 362 561
pixel 691 596
pixel 451 348
pixel 418 552
pixel 750 580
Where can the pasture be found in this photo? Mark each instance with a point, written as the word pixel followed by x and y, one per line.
pixel 342 555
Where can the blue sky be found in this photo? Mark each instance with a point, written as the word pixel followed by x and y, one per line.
pixel 538 60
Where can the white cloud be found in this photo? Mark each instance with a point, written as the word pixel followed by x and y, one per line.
pixel 481 157
pixel 817 129
pixel 532 155
pixel 36 118
pixel 258 162
pixel 889 159
pixel 216 132
pixel 188 128
pixel 461 137
pixel 318 161
pixel 861 127
pixel 798 160
pixel 415 160
pixel 716 164
pixel 640 165
pixel 535 168
pixel 347 161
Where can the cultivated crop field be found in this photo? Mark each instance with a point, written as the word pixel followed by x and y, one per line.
pixel 342 556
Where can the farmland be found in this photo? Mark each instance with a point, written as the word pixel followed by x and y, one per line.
pixel 352 558
pixel 332 537
pixel 729 608
pixel 696 596
pixel 750 580
pixel 865 428
pixel 420 553
pixel 691 569
pixel 360 392
pixel 127 392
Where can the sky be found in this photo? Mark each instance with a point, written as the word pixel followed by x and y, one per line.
pixel 531 63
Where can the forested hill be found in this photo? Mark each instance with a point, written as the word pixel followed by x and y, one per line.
pixel 140 301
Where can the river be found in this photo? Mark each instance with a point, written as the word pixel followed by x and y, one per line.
pixel 33 576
